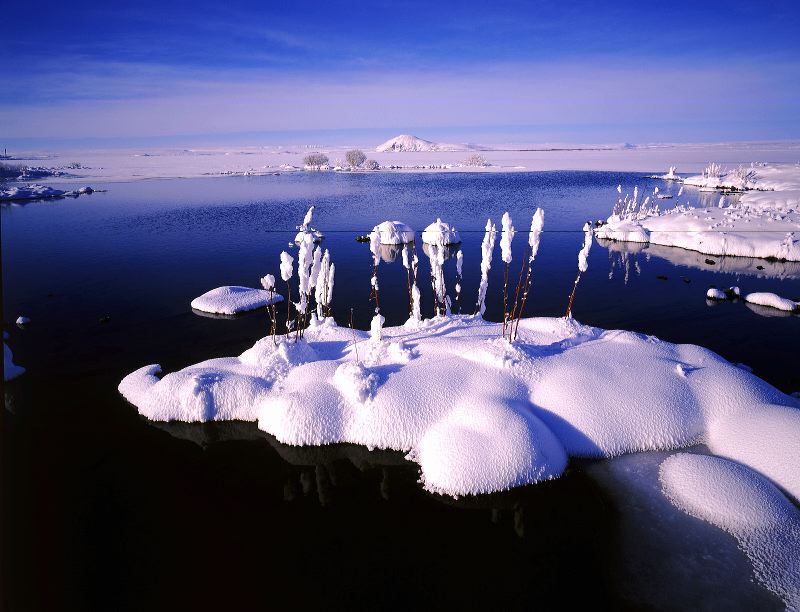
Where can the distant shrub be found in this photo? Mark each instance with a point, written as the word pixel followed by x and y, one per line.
pixel 476 160
pixel 371 164
pixel 315 160
pixel 8 171
pixel 355 158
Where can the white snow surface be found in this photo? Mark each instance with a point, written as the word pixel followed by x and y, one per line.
pixel 762 224
pixel 393 232
pixel 742 502
pixel 10 369
pixel 477 413
pixel 440 233
pixel 232 299
pixel 764 298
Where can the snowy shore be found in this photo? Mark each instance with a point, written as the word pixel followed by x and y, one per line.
pixel 762 224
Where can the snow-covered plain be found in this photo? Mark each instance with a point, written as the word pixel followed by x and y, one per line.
pixel 111 165
pixel 764 224
pixel 233 299
pixel 477 413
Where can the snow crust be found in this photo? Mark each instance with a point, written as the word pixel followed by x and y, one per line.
pixel 393 232
pixel 233 299
pixel 440 233
pixel 477 413
pixel 737 499
pixel 760 225
pixel 772 300
pixel 10 369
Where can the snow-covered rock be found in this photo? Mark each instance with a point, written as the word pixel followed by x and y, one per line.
pixel 745 504
pixel 440 233
pixel 772 300
pixel 394 232
pixel 233 299
pixel 23 320
pixel 477 413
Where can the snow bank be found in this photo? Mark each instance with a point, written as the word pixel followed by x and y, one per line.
pixel 440 233
pixel 477 413
pixel 773 301
pixel 766 226
pixel 394 232
pixel 740 501
pixel 715 177
pixel 233 299
pixel 10 369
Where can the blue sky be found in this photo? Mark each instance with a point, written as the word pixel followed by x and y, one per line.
pixel 259 72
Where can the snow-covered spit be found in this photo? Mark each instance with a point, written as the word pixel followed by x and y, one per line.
pixel 479 414
pixel 762 224
pixel 39 192
pixel 233 299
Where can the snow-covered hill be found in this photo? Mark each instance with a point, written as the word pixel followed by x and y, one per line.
pixel 406 143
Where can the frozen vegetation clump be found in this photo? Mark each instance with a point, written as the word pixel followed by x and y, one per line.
pixel 487 247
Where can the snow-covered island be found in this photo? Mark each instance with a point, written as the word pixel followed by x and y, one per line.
pixel 40 192
pixel 762 224
pixel 230 300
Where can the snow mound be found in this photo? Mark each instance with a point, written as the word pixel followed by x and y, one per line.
pixel 233 299
pixel 440 233
pixel 773 301
pixel 10 369
pixel 23 320
pixel 394 232
pixel 716 294
pixel 746 505
pixel 477 413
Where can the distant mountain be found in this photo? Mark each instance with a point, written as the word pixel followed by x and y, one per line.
pixel 406 143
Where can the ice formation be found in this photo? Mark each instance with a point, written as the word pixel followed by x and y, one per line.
pixel 479 414
pixel 234 299
pixel 487 248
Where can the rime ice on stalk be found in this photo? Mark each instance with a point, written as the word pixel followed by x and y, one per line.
pixel 375 327
pixel 583 263
pixel 324 283
pixel 459 275
pixel 268 282
pixel 534 237
pixel 487 246
pixel 507 237
pixel 304 262
pixel 436 254
pixel 286 266
pixel 305 228
pixel 410 263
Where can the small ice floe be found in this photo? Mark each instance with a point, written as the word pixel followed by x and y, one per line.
pixel 10 369
pixel 723 294
pixel 394 232
pixel 230 300
pixel 22 320
pixel 440 233
pixel 773 301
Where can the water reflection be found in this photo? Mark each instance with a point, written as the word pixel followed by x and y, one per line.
pixel 621 254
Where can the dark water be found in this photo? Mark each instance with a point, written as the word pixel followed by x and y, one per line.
pixel 104 510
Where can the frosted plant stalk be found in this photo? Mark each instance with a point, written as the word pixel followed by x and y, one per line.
pixel 375 248
pixel 268 282
pixel 459 276
pixel 487 247
pixel 534 238
pixel 583 263
pixel 505 252
pixel 286 273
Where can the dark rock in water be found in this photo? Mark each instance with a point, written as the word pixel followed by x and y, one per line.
pixel 661 277
pixel 362 238
pixel 759 267
pixel 710 262
pixel 686 279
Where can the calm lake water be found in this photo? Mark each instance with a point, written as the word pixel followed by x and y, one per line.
pixel 105 510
